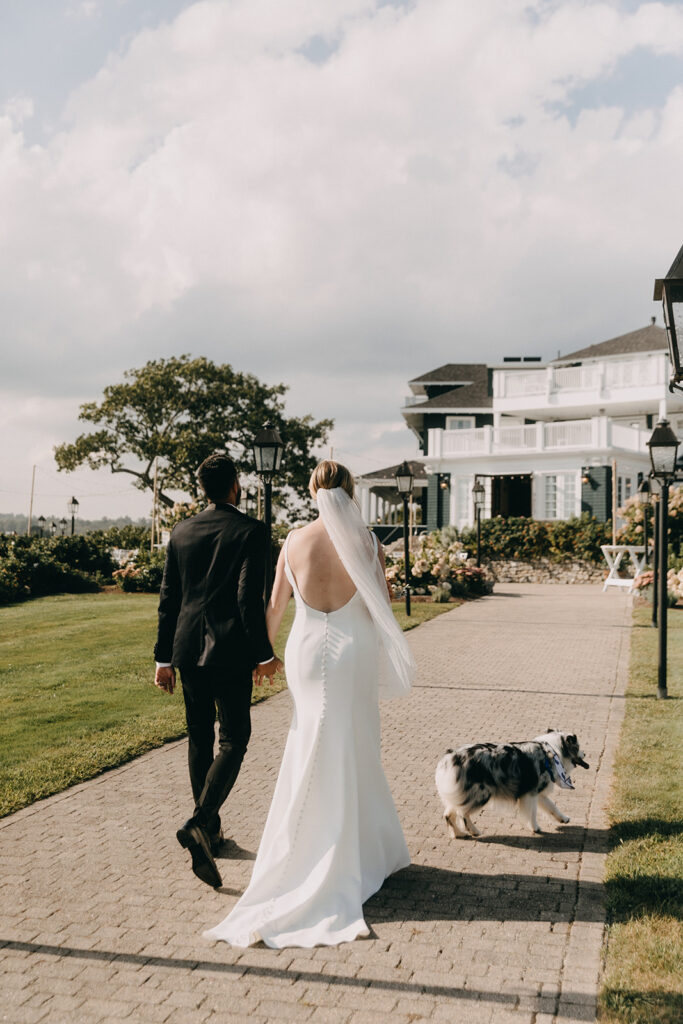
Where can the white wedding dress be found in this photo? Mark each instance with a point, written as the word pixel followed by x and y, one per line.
pixel 332 834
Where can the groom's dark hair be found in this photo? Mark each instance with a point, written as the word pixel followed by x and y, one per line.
pixel 217 476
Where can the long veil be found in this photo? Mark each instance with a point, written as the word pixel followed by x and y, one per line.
pixel 353 543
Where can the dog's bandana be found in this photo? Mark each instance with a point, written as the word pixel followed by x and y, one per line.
pixel 561 778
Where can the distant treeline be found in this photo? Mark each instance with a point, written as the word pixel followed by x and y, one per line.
pixel 18 523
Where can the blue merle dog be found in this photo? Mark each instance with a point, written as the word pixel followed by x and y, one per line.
pixel 467 778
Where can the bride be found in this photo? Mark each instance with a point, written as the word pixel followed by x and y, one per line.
pixel 332 834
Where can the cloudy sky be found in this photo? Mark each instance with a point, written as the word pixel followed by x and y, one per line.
pixel 337 195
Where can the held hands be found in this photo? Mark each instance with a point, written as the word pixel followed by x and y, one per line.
pixel 165 678
pixel 267 671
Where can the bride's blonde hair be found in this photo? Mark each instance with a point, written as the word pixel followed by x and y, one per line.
pixel 328 474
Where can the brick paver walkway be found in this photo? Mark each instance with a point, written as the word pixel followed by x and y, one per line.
pixel 101 918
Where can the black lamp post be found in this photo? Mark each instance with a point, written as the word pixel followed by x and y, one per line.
pixel 41 520
pixel 268 449
pixel 670 291
pixel 63 524
pixel 644 499
pixel 404 485
pixel 663 447
pixel 72 506
pixel 478 496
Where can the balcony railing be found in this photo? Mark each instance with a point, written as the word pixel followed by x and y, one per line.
pixel 599 432
pixel 598 380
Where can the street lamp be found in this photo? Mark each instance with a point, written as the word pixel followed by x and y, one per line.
pixel 63 524
pixel 644 499
pixel 268 449
pixel 72 506
pixel 663 446
pixel 41 520
pixel 478 497
pixel 670 291
pixel 404 486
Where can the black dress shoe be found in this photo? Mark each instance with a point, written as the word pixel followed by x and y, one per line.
pixel 194 838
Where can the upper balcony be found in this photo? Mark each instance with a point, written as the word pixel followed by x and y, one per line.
pixel 598 433
pixel 617 382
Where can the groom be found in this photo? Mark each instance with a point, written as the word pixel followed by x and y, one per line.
pixel 212 627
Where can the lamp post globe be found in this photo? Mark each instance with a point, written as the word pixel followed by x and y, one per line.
pixel 663 445
pixel 72 506
pixel 404 486
pixel 478 497
pixel 268 448
pixel 669 290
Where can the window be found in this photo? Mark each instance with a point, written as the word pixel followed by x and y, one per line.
pixel 460 423
pixel 560 496
pixel 550 511
pixel 462 501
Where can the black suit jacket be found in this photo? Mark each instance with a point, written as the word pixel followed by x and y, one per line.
pixel 211 610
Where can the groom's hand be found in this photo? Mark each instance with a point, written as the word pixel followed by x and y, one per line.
pixel 165 678
pixel 267 671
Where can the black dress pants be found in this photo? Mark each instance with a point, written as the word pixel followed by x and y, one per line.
pixel 207 691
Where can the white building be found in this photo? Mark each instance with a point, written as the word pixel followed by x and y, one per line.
pixel 542 438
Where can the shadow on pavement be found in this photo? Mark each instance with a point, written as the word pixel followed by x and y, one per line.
pixel 424 893
pixel 567 838
pixel 580 1011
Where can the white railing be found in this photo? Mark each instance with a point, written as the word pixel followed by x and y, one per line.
pixel 575 378
pixel 570 434
pixel 596 378
pixel 634 373
pixel 514 438
pixel 596 433
pixel 631 438
pixel 515 384
pixel 463 442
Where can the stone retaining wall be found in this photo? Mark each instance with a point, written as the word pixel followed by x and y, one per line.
pixel 543 570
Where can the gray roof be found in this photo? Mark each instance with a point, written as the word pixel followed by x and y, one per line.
pixel 452 373
pixel 469 396
pixel 645 339
pixel 417 468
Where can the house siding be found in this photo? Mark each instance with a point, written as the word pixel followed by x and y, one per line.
pixel 438 501
pixel 596 495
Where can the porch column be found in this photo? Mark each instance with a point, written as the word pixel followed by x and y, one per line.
pixel 365 504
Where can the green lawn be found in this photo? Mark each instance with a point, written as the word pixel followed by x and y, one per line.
pixel 77 693
pixel 643 978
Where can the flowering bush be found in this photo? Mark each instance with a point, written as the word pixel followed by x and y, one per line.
pixel 524 539
pixel 438 565
pixel 631 532
pixel 143 574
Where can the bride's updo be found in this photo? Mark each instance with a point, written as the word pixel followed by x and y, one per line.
pixel 328 474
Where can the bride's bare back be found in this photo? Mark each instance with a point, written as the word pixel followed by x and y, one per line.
pixel 323 582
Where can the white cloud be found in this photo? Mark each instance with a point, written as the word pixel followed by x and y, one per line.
pixel 417 197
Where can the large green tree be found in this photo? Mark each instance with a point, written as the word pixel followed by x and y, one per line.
pixel 180 410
